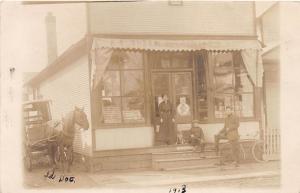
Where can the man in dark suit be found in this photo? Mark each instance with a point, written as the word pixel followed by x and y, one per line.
pixel 230 132
pixel 197 137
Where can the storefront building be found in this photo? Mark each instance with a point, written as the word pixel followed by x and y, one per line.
pixel 200 81
pixel 195 52
pixel 202 60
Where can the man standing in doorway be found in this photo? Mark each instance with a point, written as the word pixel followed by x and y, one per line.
pixel 167 121
pixel 230 132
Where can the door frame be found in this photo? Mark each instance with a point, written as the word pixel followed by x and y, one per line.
pixel 171 93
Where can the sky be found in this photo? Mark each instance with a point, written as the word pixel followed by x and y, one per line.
pixel 23 32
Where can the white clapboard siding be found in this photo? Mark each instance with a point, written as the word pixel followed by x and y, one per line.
pixel 67 88
pixel 271 22
pixel 159 17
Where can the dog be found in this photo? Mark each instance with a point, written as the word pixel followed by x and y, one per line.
pixel 180 138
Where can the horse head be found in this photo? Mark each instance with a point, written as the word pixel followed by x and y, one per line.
pixel 80 118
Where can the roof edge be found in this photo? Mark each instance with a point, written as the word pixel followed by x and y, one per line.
pixel 72 53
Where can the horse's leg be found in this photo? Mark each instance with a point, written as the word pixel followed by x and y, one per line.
pixel 69 157
pixel 63 158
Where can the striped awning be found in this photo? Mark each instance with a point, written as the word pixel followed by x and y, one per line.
pixel 175 45
pixel 102 50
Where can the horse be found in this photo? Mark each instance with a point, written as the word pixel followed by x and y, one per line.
pixel 63 142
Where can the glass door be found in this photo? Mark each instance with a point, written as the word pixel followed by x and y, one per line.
pixel 183 96
pixel 178 87
pixel 161 84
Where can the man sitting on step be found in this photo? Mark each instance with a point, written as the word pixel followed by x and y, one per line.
pixel 197 137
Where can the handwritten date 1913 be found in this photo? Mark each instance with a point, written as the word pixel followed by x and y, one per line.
pixel 178 190
pixel 62 178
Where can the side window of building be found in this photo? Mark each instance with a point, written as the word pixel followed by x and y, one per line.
pixel 122 89
pixel 231 85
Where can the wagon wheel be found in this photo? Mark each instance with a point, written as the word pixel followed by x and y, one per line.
pixel 28 161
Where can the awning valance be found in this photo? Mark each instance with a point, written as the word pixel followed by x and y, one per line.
pixel 102 50
pixel 175 45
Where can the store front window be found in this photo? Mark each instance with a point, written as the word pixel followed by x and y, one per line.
pixel 122 89
pixel 199 85
pixel 231 85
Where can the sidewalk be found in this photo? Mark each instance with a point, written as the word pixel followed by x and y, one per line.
pixel 162 178
pixel 149 179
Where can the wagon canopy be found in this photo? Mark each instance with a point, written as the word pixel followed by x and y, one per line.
pixel 102 50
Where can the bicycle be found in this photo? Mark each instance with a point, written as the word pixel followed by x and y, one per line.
pixel 225 153
pixel 256 150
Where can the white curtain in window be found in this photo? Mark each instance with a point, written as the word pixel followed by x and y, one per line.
pixel 100 60
pixel 253 63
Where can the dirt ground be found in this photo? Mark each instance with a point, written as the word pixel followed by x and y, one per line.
pixel 258 175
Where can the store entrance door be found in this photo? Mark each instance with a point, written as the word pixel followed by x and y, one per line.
pixel 178 87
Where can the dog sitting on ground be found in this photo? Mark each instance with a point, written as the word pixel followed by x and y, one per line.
pixel 181 138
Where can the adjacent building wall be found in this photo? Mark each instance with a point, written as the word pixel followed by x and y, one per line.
pixel 159 17
pixel 67 88
pixel 270 31
pixel 270 25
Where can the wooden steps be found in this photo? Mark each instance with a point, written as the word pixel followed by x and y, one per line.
pixel 181 154
pixel 157 158
pixel 177 160
pixel 208 166
pixel 178 163
pixel 184 157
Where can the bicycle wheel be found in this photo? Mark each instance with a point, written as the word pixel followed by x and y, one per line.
pixel 257 151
